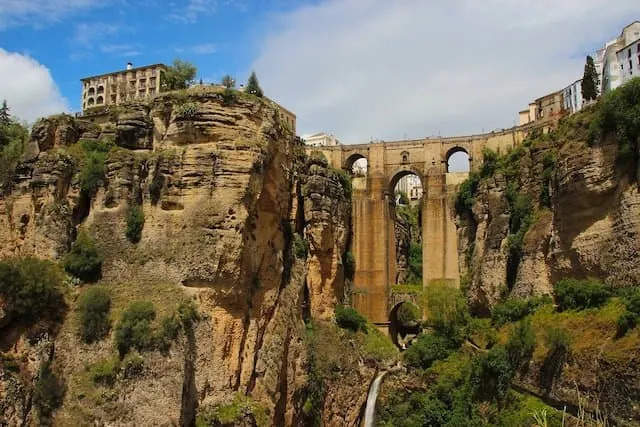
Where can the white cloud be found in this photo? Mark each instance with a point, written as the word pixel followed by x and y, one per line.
pixel 386 69
pixel 28 87
pixel 196 9
pixel 38 12
pixel 199 49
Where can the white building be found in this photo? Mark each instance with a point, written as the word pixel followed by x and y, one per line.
pixel 321 140
pixel 411 186
pixel 629 59
pixel 572 97
pixel 607 61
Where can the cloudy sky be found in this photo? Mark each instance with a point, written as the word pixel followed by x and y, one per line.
pixel 359 69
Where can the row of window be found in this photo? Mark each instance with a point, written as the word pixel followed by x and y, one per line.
pixel 100 99
pixel 141 84
pixel 123 77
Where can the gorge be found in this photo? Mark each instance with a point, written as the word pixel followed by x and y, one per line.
pixel 226 260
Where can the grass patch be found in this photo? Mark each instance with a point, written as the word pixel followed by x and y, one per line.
pixel 407 289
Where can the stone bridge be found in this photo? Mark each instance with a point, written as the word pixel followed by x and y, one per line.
pixel 373 208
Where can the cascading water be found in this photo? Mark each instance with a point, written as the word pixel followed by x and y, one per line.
pixel 370 410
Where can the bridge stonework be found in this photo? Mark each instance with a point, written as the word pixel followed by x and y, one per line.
pixel 373 214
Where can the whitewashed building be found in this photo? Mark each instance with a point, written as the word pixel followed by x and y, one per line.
pixel 572 97
pixel 321 140
pixel 608 61
pixel 411 186
pixel 629 60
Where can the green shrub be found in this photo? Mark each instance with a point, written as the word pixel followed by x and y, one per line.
pixel 84 261
pixel 515 309
pixel 345 182
pixel 631 316
pixel 557 340
pixel 574 294
pixel 93 308
pixel 489 163
pixel 378 346
pixel 188 313
pixel 132 365
pixel 105 372
pixel 447 311
pixel 241 411
pixel 348 318
pixel 30 288
pixel 300 246
pixel 92 173
pixel 521 343
pixel 134 328
pixel 135 223
pixel 169 330
pixel 491 374
pixel 229 96
pixel 349 265
pixel 467 193
pixel 48 393
pixel 156 186
pixel 558 343
pixel 427 349
pixel 186 111
pixel 408 314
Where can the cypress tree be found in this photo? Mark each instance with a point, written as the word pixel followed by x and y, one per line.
pixel 5 117
pixel 590 81
pixel 253 87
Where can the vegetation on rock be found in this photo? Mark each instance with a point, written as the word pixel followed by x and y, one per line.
pixel 13 140
pixel 180 75
pixel 349 318
pixel 48 393
pixel 93 309
pixel 84 261
pixel 253 87
pixel 135 223
pixel 590 80
pixel 573 294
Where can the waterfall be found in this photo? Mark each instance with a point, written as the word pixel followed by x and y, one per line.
pixel 370 411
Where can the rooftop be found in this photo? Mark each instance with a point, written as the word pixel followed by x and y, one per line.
pixel 123 71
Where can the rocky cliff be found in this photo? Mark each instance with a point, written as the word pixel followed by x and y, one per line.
pixel 215 179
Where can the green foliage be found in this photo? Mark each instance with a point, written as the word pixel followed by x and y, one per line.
pixel 30 289
pixel 84 261
pixel 349 318
pixel 229 97
pixel 134 328
pixel 228 81
pixel 549 165
pixel 467 193
pixel 521 343
pixel 558 343
pixel 93 310
pixel 242 410
pixel 490 163
pixel 48 393
pixel 186 111
pixel 408 314
pixel 349 265
pixel 378 346
pixel 447 311
pixel 631 316
pixel 180 75
pixel 574 294
pixel 414 263
pixel 590 81
pixel 402 197
pixel 345 183
pixel 618 112
pixel 515 309
pixel 427 349
pixel 300 246
pixel 132 365
pixel 5 116
pixel 105 372
pixel 491 374
pixel 407 289
pixel 253 87
pixel 92 155
pixel 135 223
pixel 156 186
pixel 13 138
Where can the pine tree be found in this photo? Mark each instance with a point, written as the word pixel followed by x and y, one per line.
pixel 5 117
pixel 253 87
pixel 590 81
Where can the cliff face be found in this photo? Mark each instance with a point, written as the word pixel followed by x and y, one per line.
pixel 215 184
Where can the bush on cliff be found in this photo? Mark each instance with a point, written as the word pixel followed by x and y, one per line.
pixel 631 316
pixel 13 138
pixel 84 261
pixel 48 393
pixel 30 288
pixel 574 294
pixel 135 223
pixel 515 309
pixel 348 318
pixel 134 328
pixel 93 308
pixel 426 350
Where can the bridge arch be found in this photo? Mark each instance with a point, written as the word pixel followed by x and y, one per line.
pixel 458 159
pixel 355 162
pixel 404 322
pixel 400 173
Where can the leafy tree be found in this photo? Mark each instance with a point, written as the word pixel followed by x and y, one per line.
pixel 134 328
pixel 491 374
pixel 135 224
pixel 253 87
pixel 590 81
pixel 94 308
pixel 521 343
pixel 426 350
pixel 5 117
pixel 180 75
pixel 574 294
pixel 228 81
pixel 348 318
pixel 84 261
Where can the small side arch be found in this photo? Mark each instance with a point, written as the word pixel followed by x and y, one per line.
pixel 356 164
pixel 458 159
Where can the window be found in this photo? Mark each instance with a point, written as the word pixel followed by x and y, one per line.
pixel 152 81
pixel 100 100
pixel 152 91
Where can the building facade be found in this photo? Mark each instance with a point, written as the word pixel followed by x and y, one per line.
pixel 411 186
pixel 629 59
pixel 321 140
pixel 549 107
pixel 121 86
pixel 572 97
pixel 611 61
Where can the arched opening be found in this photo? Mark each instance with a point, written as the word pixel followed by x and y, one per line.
pixel 405 157
pixel 357 165
pixel 404 320
pixel 406 187
pixel 92 91
pixel 458 160
pixel 90 102
pixel 100 89
pixel 100 100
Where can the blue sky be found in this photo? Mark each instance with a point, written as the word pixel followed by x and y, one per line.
pixel 360 69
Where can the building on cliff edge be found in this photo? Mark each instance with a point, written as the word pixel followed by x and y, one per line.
pixel 618 59
pixel 321 140
pixel 120 86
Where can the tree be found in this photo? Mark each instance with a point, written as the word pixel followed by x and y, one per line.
pixel 590 81
pixel 5 117
pixel 180 75
pixel 253 87
pixel 228 81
